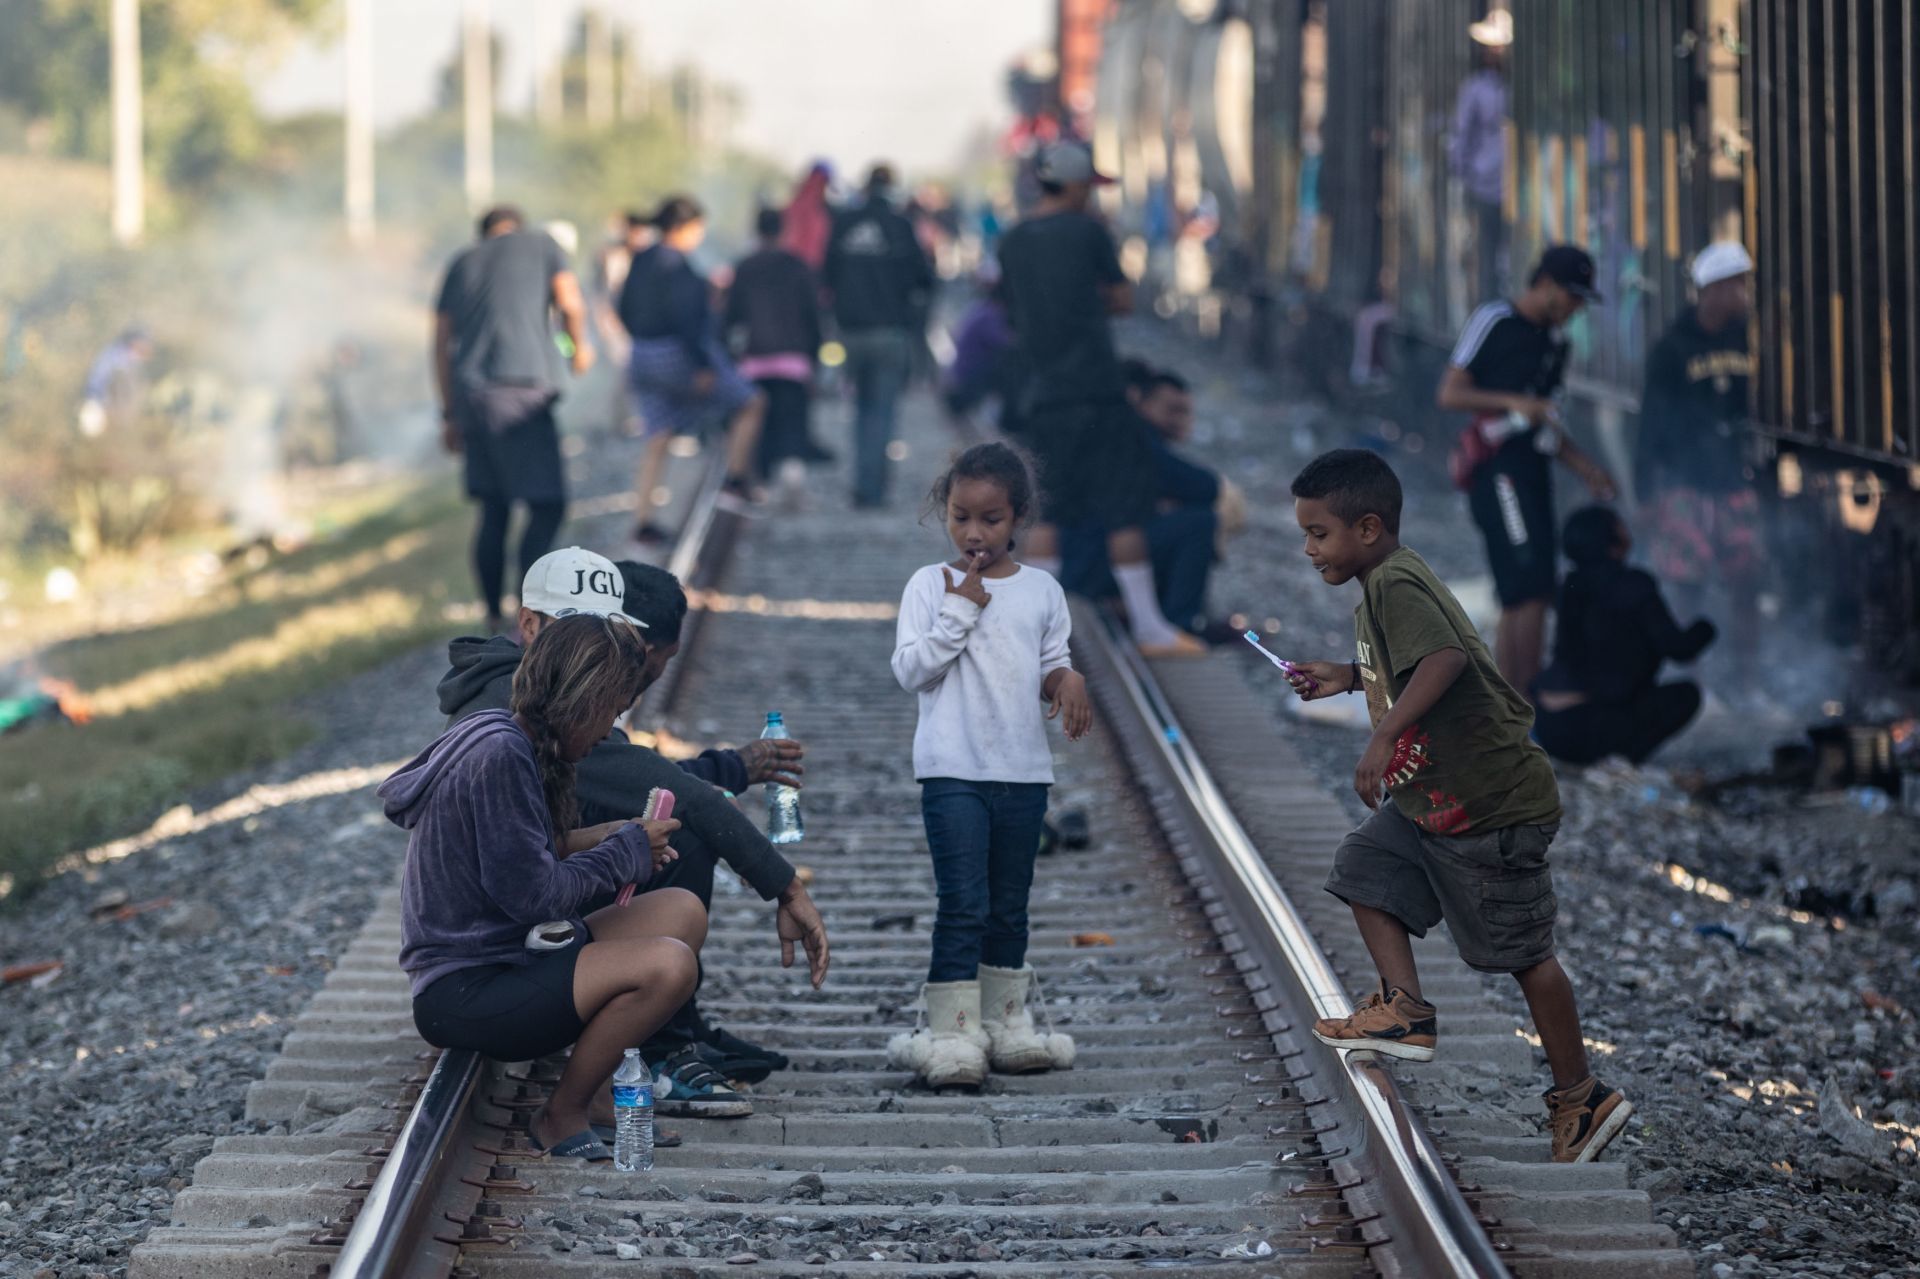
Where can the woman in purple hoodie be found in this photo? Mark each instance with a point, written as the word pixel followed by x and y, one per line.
pixel 492 937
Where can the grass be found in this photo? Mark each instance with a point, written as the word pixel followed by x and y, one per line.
pixel 216 683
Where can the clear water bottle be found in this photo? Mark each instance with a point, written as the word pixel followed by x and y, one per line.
pixel 783 802
pixel 633 1115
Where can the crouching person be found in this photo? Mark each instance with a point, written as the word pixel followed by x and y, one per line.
pixel 497 873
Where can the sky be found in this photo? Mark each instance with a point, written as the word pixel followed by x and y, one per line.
pixel 855 80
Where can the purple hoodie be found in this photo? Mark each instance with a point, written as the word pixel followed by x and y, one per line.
pixel 481 868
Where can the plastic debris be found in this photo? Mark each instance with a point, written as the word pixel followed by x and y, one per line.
pixel 31 971
pixel 1252 1249
pixel 1092 939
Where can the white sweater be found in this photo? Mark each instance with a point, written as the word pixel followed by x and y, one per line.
pixel 978 673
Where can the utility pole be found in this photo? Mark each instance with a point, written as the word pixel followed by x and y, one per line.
pixel 633 85
pixel 476 93
pixel 548 103
pixel 129 162
pixel 359 210
pixel 599 55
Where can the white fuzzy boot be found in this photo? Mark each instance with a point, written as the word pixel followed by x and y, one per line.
pixel 949 1051
pixel 1017 1048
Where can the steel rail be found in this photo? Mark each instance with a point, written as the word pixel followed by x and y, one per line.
pixel 395 1219
pixel 1433 1230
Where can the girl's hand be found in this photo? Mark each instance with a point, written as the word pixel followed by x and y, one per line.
pixel 1315 680
pixel 969 586
pixel 1070 706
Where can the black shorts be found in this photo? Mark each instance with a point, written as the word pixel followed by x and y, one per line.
pixel 1095 465
pixel 511 442
pixel 509 1012
pixel 1513 506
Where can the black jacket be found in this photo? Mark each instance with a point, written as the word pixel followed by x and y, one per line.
pixel 613 780
pixel 879 276
pixel 664 297
pixel 1613 632
pixel 1694 411
pixel 775 299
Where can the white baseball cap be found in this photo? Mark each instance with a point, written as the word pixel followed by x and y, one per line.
pixel 574 580
pixel 1720 261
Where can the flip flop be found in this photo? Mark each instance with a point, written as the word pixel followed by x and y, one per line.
pixel 584 1144
pixel 663 1138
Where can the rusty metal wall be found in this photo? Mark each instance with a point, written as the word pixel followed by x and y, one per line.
pixel 1830 92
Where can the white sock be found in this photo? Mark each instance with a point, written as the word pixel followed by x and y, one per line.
pixel 1150 625
pixel 1048 564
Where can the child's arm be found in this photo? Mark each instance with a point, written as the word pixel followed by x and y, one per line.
pixel 1061 687
pixel 933 630
pixel 1433 675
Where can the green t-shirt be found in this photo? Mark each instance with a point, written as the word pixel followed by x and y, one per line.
pixel 1468 765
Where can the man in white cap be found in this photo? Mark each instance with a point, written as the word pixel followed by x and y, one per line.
pixel 1062 281
pixel 1691 474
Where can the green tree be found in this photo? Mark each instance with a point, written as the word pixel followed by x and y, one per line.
pixel 200 116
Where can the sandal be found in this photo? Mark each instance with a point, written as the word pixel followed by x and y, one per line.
pixel 663 1138
pixel 582 1145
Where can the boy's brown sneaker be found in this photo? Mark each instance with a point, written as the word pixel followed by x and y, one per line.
pixel 1584 1118
pixel 1398 1025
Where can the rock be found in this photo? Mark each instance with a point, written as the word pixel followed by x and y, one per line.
pixel 743 1259
pixel 192 918
pixel 627 1252
pixel 1837 1120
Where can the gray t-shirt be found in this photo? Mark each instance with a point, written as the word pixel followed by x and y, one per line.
pixel 498 298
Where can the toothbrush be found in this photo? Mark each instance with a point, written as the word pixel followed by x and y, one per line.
pixel 1286 666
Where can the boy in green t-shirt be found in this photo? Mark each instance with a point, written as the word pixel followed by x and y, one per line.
pixel 1474 802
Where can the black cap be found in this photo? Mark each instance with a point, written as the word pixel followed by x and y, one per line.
pixel 1570 267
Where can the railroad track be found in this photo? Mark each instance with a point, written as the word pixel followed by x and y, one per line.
pixel 1202 1129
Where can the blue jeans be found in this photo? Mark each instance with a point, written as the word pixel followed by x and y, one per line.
pixel 879 362
pixel 984 837
pixel 1181 543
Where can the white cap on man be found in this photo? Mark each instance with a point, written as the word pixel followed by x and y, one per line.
pixel 1720 261
pixel 574 580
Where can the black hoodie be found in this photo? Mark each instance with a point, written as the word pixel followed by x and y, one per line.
pixel 613 780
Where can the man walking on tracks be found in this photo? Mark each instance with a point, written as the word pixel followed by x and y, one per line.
pixel 1062 281
pixel 1506 370
pixel 1464 804
pixel 880 280
pixel 495 363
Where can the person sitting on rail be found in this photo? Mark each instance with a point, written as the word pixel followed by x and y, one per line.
pixel 503 957
pixel 982 641
pixel 1194 507
pixel 1601 695
pixel 695 1057
pixel 1473 802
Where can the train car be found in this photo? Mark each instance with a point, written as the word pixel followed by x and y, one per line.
pixel 1643 131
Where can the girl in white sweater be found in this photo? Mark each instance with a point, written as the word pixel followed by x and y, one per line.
pixel 982 640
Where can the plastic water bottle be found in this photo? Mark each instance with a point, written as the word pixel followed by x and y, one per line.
pixel 783 802
pixel 633 1115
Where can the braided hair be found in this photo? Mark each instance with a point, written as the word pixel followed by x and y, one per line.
pixel 579 671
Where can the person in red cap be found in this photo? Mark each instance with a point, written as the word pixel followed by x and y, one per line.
pixel 1062 280
pixel 1506 371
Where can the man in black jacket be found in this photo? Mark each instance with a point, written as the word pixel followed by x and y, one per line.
pixel 880 281
pixel 612 785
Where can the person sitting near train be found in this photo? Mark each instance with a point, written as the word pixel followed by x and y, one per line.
pixel 1195 505
pixel 1601 694
pixel 696 1057
pixel 501 953
pixel 986 362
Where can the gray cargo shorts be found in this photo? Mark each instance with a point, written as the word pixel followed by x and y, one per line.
pixel 1493 889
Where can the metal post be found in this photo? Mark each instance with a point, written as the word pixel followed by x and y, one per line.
pixel 547 98
pixel 476 83
pixel 633 85
pixel 359 42
pixel 599 58
pixel 129 193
